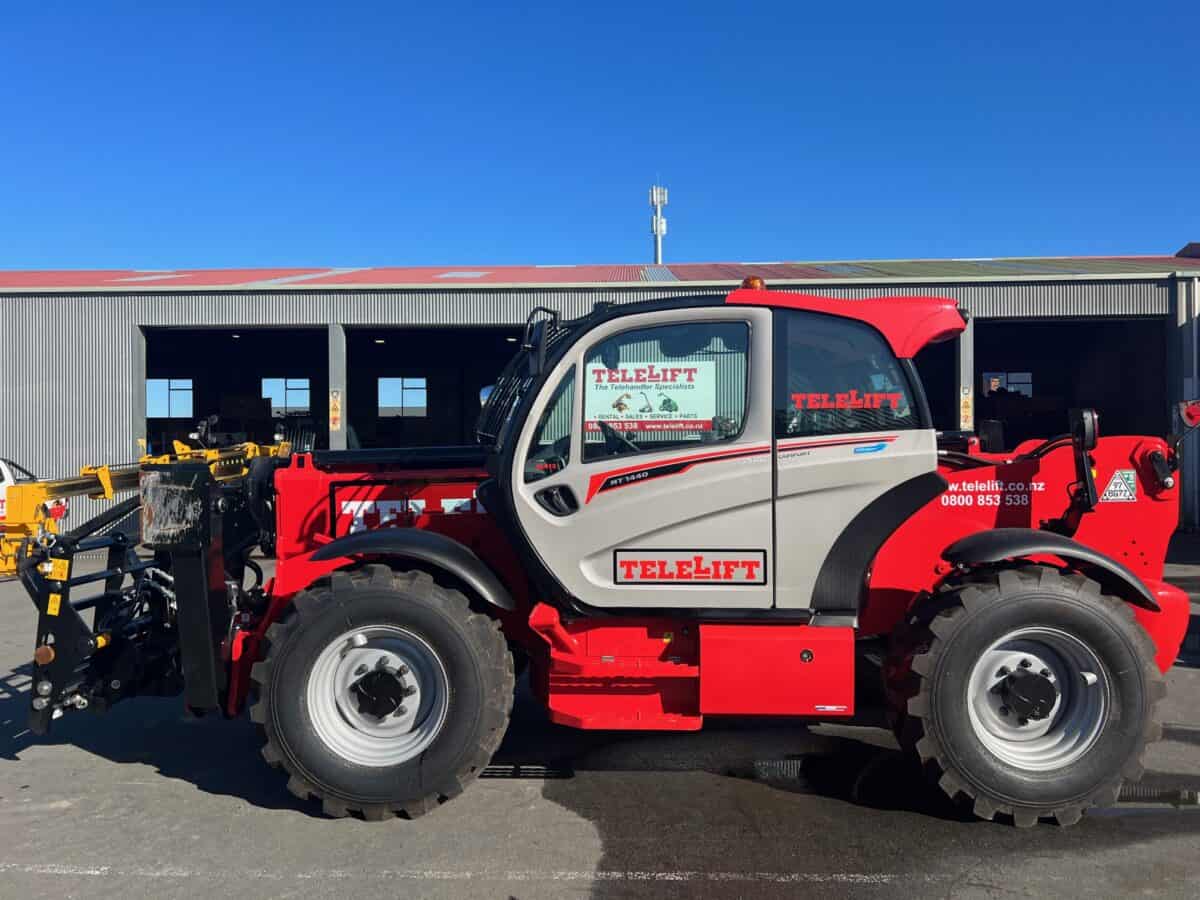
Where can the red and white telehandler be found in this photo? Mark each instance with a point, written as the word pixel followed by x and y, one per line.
pixel 677 510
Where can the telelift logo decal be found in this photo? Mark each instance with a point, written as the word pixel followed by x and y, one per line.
pixel 723 567
pixel 848 400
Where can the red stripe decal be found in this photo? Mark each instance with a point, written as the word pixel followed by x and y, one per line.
pixel 597 482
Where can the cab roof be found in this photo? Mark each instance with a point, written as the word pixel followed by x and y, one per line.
pixel 907 323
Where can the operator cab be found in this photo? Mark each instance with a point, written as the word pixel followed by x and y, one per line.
pixel 655 455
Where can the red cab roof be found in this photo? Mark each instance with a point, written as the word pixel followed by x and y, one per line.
pixel 906 323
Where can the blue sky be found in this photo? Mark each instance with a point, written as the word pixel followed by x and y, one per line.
pixel 400 134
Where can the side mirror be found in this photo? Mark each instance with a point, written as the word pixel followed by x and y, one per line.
pixel 1085 431
pixel 1085 427
pixel 535 345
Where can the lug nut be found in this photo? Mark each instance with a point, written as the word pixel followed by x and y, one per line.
pixel 1004 710
pixel 403 670
pixel 1045 673
pixel 410 690
pixel 40 703
pixel 1022 721
pixel 400 711
pixel 1002 672
pixel 44 688
pixel 1025 664
pixel 361 670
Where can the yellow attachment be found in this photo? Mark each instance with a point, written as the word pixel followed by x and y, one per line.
pixel 104 476
pixel 28 518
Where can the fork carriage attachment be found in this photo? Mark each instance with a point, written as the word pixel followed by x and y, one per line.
pixel 160 622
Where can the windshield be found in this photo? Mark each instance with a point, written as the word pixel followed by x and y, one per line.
pixel 502 402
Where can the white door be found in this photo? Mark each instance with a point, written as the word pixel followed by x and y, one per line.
pixel 647 478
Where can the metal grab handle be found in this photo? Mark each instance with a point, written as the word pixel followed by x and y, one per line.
pixel 557 500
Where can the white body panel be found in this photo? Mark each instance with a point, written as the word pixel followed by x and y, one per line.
pixel 824 482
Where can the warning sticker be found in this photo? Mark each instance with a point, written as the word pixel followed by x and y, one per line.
pixel 1122 487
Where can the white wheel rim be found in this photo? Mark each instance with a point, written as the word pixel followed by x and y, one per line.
pixel 334 701
pixel 1074 722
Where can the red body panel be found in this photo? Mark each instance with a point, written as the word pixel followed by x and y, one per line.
pixel 667 674
pixel 1026 494
pixel 776 670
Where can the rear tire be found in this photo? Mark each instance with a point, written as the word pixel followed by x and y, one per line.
pixel 382 693
pixel 1027 693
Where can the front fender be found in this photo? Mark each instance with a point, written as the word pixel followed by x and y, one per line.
pixel 427 547
pixel 999 544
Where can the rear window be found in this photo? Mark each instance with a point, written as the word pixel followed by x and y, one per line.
pixel 837 376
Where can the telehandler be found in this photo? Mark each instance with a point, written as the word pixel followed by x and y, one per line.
pixel 784 516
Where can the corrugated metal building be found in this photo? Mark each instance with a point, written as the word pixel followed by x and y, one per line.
pixel 83 353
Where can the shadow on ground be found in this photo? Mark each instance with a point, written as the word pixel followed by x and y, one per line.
pixel 218 756
pixel 670 803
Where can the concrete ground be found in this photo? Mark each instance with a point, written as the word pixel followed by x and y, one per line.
pixel 144 802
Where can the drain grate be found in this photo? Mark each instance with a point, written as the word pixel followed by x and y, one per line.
pixel 779 769
pixel 533 773
pixel 1144 793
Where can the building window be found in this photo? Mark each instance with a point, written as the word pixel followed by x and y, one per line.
pixel 288 396
pixel 168 398
pixel 402 398
pixel 1001 383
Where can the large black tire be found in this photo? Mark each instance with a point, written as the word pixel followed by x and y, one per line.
pixel 935 654
pixel 474 660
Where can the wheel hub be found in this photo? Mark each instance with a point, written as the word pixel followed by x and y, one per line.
pixel 1038 698
pixel 381 693
pixel 378 695
pixel 1028 695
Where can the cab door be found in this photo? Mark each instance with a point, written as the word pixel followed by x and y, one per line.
pixel 646 480
pixel 856 456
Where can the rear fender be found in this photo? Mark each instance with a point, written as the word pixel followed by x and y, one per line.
pixel 998 544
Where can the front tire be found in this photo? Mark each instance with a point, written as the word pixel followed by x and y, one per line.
pixel 382 693
pixel 1029 693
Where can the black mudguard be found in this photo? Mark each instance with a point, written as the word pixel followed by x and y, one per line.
pixel 999 544
pixel 428 547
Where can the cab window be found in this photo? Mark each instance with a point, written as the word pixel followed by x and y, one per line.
pixel 669 386
pixel 837 376
pixel 551 445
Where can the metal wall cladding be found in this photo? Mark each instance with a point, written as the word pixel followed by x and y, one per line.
pixel 1025 299
pixel 68 361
